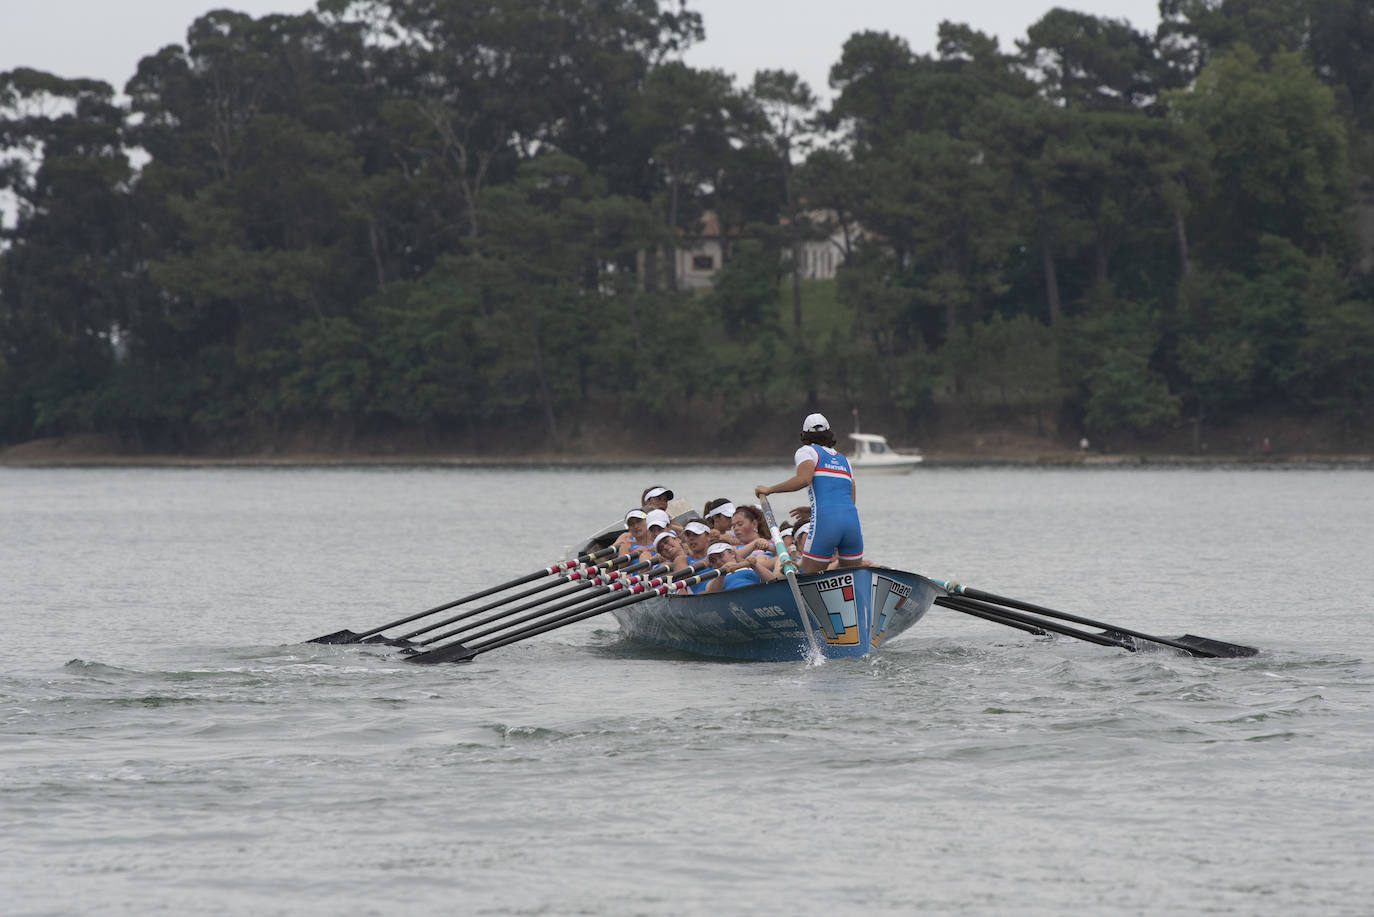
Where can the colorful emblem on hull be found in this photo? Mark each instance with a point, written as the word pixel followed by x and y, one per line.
pixel 889 597
pixel 832 599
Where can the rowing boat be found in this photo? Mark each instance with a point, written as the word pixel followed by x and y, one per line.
pixel 854 611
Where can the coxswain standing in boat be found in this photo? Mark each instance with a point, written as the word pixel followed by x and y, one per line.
pixel 825 473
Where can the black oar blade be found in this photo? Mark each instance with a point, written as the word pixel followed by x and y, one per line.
pixel 1188 644
pixel 1217 648
pixel 339 636
pixel 389 641
pixel 455 652
pixel 1196 646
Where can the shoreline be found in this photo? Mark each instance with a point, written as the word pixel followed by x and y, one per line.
pixel 551 460
pixel 994 450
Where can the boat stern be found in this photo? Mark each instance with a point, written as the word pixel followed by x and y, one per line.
pixel 859 608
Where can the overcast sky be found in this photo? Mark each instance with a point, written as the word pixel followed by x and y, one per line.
pixel 106 38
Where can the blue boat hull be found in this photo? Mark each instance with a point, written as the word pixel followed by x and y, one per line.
pixel 854 611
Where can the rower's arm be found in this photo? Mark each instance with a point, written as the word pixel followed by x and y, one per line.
pixel 805 472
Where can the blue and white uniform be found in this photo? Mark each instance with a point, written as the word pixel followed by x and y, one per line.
pixel 744 576
pixel 634 546
pixel 699 587
pixel 834 518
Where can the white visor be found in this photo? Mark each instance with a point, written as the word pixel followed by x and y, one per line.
pixel 696 528
pixel 662 535
pixel 635 514
pixel 719 547
pixel 658 492
pixel 725 509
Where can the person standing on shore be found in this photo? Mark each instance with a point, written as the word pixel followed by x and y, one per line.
pixel 825 473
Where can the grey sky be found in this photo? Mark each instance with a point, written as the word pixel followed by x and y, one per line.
pixel 747 35
pixel 105 39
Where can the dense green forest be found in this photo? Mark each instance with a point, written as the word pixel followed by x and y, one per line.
pixel 450 216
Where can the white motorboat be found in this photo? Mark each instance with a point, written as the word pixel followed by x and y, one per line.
pixel 871 453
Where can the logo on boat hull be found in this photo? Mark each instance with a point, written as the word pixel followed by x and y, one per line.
pixel 832 599
pixel 889 598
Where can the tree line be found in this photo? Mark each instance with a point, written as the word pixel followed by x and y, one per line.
pixel 448 215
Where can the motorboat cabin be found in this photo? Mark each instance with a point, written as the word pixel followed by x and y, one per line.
pixel 872 453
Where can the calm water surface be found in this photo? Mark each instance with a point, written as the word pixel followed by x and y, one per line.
pixel 168 745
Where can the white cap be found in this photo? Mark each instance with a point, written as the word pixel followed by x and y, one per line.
pixel 725 509
pixel 635 514
pixel 815 423
pixel 662 535
pixel 696 528
pixel 658 517
pixel 717 548
pixel 658 492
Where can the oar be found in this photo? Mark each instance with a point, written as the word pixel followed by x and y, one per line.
pixel 348 636
pixel 950 601
pixel 457 652
pixel 581 574
pixel 789 570
pixel 1026 622
pixel 1196 646
pixel 580 592
pixel 649 579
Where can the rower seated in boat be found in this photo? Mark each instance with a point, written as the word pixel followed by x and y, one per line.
pixel 658 520
pixel 755 546
pixel 655 496
pixel 670 551
pixel 785 532
pixel 717 555
pixel 636 539
pixel 718 515
pixel 735 573
pixel 696 538
pixel 660 498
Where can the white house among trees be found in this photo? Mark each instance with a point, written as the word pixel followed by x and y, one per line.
pixel 700 259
